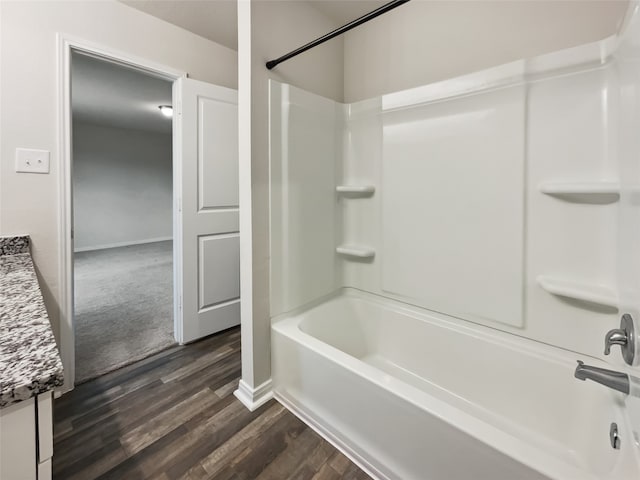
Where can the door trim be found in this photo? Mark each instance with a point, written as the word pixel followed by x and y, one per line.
pixel 65 45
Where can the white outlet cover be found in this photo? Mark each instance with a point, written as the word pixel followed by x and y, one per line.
pixel 29 160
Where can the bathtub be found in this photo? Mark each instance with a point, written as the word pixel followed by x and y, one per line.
pixel 414 395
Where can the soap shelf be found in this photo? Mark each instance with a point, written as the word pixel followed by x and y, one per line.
pixel 356 251
pixel 592 293
pixel 598 191
pixel 356 189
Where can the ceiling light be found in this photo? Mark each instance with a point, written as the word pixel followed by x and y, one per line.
pixel 166 110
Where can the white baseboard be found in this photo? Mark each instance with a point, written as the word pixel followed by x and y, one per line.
pixel 121 244
pixel 345 449
pixel 254 398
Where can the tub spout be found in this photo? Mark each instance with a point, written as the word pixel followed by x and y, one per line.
pixel 617 380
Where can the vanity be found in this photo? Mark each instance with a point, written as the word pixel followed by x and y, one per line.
pixel 30 368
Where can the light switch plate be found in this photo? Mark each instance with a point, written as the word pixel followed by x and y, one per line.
pixel 29 160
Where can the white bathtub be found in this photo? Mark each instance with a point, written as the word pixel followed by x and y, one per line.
pixel 410 395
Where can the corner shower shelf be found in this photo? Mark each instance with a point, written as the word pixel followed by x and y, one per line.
pixel 356 251
pixel 598 190
pixel 592 293
pixel 356 189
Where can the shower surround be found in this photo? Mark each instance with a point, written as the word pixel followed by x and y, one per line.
pixel 442 256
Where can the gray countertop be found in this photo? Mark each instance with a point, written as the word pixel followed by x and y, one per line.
pixel 29 359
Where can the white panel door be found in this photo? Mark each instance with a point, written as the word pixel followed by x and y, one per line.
pixel 208 276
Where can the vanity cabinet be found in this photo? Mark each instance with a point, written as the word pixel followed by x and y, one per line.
pixel 26 439
pixel 30 368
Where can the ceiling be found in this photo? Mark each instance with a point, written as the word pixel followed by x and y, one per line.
pixel 217 20
pixel 105 93
pixel 343 11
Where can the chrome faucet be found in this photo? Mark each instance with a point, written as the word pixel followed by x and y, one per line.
pixel 616 336
pixel 609 378
pixel 625 336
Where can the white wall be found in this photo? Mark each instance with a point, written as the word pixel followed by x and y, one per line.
pixel 425 41
pixel 28 100
pixel 276 28
pixel 122 186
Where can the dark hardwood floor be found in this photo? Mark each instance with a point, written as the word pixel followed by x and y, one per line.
pixel 174 416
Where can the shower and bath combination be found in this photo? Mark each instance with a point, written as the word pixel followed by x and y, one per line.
pixel 429 289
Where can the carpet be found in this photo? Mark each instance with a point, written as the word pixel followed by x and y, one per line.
pixel 123 306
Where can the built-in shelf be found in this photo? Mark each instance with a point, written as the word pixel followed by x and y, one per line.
pixel 356 251
pixel 598 191
pixel 592 293
pixel 356 189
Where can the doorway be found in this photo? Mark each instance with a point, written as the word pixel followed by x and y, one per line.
pixel 122 184
pixel 205 202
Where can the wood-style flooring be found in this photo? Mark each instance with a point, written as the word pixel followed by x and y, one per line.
pixel 174 416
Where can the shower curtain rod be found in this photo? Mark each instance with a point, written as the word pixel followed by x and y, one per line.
pixel 345 28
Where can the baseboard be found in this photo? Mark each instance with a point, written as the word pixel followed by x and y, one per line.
pixel 345 449
pixel 254 398
pixel 121 244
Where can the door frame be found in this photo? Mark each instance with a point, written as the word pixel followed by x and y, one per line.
pixel 66 45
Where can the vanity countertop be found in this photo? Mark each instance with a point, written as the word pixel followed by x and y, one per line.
pixel 29 359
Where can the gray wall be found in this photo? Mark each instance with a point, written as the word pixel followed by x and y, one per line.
pixel 425 41
pixel 122 185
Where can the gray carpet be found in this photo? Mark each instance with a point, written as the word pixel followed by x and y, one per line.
pixel 123 306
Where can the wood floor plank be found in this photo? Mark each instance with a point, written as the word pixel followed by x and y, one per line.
pixel 136 467
pixel 136 409
pixel 289 460
pixel 339 463
pixel 194 445
pixel 217 460
pixel 146 434
pixel 174 416
pixel 254 459
pixel 320 455
pixel 227 388
pixel 198 365
pixel 92 466
pixel 136 375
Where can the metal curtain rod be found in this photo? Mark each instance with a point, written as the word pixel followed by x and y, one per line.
pixel 345 28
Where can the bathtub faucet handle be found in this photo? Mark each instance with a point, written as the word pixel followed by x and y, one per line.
pixel 614 337
pixel 623 336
